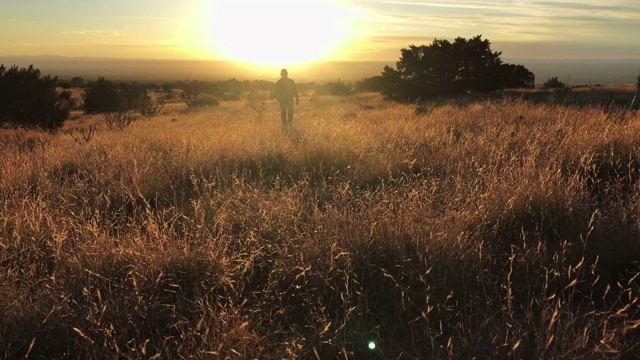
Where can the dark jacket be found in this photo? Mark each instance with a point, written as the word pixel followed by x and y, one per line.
pixel 285 90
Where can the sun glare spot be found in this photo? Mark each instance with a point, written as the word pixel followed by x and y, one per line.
pixel 275 32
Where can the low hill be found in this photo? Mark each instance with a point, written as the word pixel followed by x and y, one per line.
pixel 573 72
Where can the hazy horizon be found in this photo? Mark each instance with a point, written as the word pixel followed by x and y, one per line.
pixel 571 71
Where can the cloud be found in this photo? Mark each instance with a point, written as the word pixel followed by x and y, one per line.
pixel 94 32
pixel 588 20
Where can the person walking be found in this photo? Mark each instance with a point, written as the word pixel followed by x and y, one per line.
pixel 284 91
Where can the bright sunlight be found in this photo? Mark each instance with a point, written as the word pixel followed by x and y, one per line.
pixel 269 33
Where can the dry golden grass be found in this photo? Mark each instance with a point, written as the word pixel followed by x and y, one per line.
pixel 494 229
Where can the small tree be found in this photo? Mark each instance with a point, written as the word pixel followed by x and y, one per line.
pixel 338 88
pixel 201 87
pixel 132 94
pixel 199 94
pixel 102 96
pixel 77 82
pixel 517 76
pixel 85 135
pixel 446 68
pixel 147 106
pixel 373 84
pixel 554 83
pixel 200 100
pixel 27 99
pixel 256 102
pixel 119 120
pixel 168 87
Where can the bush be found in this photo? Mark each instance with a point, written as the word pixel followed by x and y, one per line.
pixel 168 87
pixel 372 84
pixel 78 82
pixel 65 95
pixel 338 88
pixel 554 83
pixel 517 76
pixel 199 94
pixel 200 87
pixel 29 100
pixel 638 84
pixel 119 120
pixel 201 100
pixel 256 102
pixel 147 106
pixel 104 96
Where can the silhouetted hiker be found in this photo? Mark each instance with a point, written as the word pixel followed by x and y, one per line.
pixel 284 91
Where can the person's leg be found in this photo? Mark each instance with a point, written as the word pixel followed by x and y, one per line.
pixel 283 112
pixel 290 117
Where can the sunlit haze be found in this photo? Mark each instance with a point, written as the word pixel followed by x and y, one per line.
pixel 274 32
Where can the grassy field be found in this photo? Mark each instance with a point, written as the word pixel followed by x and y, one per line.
pixel 487 228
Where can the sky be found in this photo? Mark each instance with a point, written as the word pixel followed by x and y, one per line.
pixel 307 30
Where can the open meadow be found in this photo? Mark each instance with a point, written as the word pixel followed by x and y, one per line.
pixel 505 227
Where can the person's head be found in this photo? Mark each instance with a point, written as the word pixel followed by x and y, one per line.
pixel 284 73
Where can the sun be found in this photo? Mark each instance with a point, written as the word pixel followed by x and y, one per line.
pixel 272 33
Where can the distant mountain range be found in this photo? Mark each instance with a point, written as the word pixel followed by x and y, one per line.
pixel 573 72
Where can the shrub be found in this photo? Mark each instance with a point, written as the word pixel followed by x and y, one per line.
pixel 554 83
pixel 119 120
pixel 373 84
pixel 77 82
pixel 132 94
pixel 147 106
pixel 201 100
pixel 256 102
pixel 638 84
pixel 338 88
pixel 168 87
pixel 200 87
pixel 199 94
pixel 27 99
pixel 104 96
pixel 517 76
pixel 84 136
pixel 65 95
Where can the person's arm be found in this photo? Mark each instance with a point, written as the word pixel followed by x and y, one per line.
pixel 295 91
